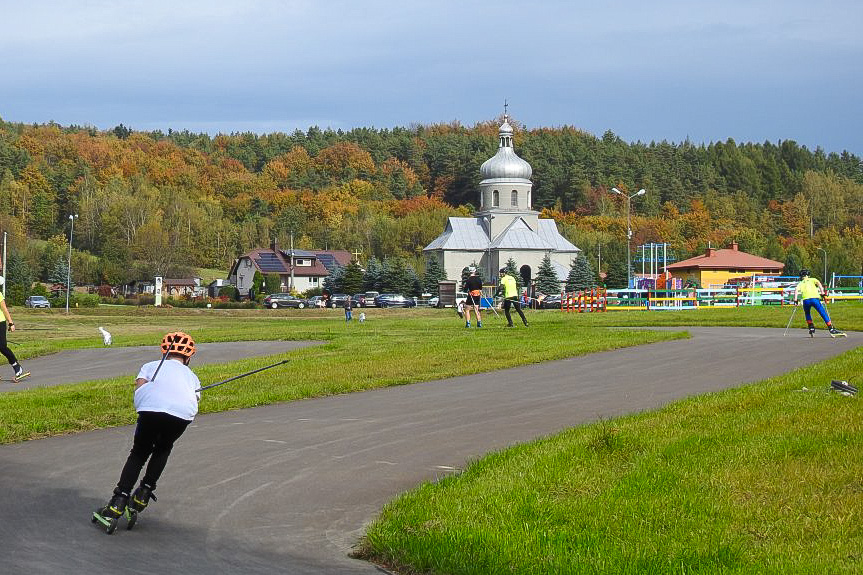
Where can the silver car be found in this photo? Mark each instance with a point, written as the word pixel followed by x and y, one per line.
pixel 37 301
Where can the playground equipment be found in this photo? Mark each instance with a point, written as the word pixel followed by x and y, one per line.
pixel 845 287
pixel 594 299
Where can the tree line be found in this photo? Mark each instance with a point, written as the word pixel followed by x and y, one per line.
pixel 151 203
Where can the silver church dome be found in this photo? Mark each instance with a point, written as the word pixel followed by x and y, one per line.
pixel 505 164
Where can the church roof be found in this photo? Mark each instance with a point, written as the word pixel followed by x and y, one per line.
pixel 461 234
pixel 519 236
pixel 505 164
pixel 470 234
pixel 549 232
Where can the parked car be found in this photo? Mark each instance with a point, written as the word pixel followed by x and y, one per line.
pixel 37 301
pixel 460 297
pixel 338 300
pixel 551 301
pixel 369 300
pixel 394 300
pixel 358 300
pixel 277 300
pixel 316 301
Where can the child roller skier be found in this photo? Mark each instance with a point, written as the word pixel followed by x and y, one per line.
pixel 812 292
pixel 166 401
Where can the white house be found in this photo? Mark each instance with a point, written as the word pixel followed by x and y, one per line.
pixel 300 270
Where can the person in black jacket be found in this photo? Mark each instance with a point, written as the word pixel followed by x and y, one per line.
pixel 473 287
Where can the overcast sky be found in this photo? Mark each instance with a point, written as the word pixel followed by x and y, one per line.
pixel 750 70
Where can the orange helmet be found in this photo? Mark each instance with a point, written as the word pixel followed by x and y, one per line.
pixel 179 343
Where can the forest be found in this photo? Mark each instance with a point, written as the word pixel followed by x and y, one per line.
pixel 151 203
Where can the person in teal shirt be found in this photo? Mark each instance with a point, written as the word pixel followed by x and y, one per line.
pixel 812 292
pixel 509 290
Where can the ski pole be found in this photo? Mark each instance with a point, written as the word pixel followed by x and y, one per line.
pixel 165 355
pixel 242 375
pixel 790 320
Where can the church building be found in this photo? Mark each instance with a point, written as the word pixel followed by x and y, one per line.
pixel 505 226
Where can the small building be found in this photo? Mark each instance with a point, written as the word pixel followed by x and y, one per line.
pixel 174 287
pixel 717 267
pixel 300 270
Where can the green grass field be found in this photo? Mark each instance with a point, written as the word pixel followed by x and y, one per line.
pixel 766 478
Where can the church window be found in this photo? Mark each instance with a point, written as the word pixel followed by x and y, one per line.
pixel 495 198
pixel 514 199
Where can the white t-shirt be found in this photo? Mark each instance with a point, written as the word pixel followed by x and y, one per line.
pixel 173 392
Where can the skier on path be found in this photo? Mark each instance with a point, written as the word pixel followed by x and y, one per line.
pixel 166 402
pixel 812 292
pixel 5 324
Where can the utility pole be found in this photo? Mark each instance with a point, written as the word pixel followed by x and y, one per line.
pixel 640 192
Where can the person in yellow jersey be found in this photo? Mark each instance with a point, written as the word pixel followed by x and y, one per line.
pixel 811 291
pixel 509 289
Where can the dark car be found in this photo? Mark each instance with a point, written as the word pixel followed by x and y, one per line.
pixel 550 302
pixel 338 300
pixel 394 300
pixel 37 301
pixel 277 300
pixel 358 300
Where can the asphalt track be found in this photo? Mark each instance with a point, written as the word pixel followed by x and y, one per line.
pixel 102 363
pixel 288 488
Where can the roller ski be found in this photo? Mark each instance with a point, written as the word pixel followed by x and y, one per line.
pixel 834 333
pixel 843 387
pixel 109 516
pixel 19 375
pixel 140 499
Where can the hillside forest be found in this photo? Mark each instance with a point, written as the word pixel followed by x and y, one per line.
pixel 150 203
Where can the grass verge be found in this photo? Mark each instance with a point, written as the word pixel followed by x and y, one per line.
pixel 765 478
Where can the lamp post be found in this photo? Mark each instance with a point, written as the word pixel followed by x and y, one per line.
pixel 825 263
pixel 69 263
pixel 640 192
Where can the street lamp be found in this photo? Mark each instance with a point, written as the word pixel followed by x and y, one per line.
pixel 640 192
pixel 825 263
pixel 69 263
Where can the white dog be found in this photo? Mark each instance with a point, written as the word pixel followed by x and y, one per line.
pixel 106 337
pixel 362 316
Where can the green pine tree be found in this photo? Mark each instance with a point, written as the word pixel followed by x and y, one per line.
pixel 333 282
pixel 352 278
pixel 547 281
pixel 580 275
pixel 372 277
pixel 434 273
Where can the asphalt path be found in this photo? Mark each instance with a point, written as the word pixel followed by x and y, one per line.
pixel 289 488
pixel 102 363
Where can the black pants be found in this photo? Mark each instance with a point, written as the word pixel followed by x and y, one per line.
pixel 515 303
pixel 155 435
pixel 4 347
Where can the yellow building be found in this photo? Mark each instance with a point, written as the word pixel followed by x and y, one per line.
pixel 717 266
